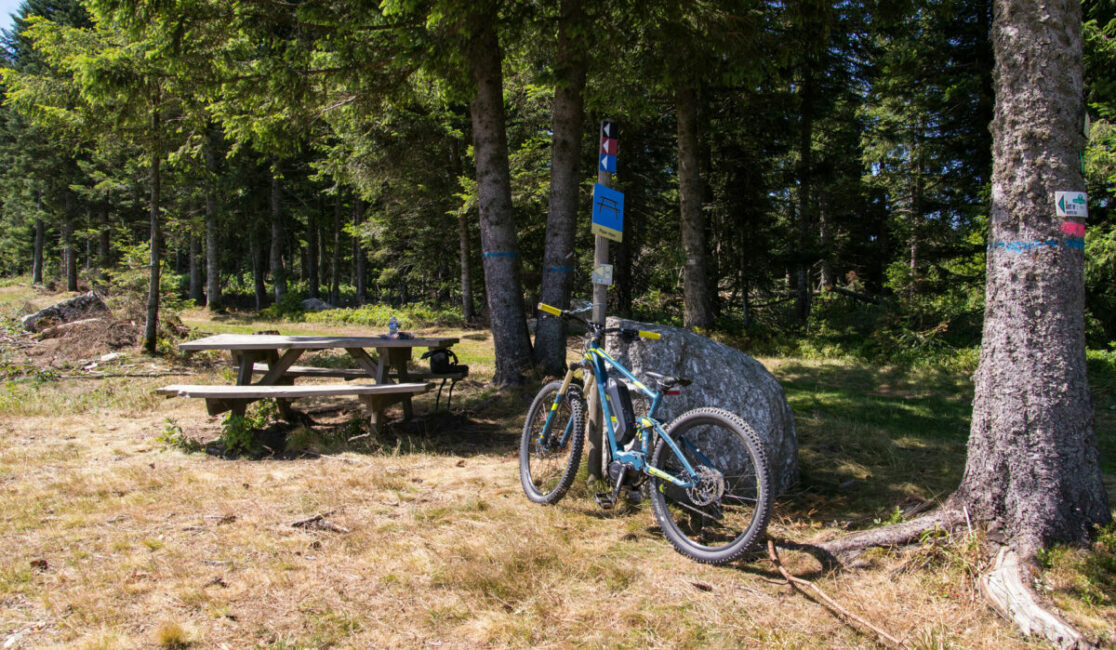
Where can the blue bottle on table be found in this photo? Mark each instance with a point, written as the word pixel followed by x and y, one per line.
pixel 393 327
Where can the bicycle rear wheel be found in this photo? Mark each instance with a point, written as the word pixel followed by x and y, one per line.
pixel 548 459
pixel 719 519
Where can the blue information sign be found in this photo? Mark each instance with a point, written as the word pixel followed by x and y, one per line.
pixel 608 212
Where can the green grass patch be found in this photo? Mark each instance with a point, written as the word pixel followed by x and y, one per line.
pixel 1082 581
pixel 870 437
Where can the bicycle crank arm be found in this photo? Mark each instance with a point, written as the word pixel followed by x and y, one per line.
pixel 605 500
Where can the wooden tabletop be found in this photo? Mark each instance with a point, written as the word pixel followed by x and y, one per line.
pixel 277 342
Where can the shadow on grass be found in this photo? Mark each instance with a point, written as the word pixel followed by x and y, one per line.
pixel 873 442
pixel 342 429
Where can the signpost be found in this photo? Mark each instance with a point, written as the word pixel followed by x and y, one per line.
pixel 608 215
pixel 608 223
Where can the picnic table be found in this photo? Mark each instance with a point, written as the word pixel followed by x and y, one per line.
pixel 273 357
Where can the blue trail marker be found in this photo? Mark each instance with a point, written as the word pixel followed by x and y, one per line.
pixel 610 143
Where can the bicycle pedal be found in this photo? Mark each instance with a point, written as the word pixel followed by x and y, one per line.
pixel 604 500
pixel 635 497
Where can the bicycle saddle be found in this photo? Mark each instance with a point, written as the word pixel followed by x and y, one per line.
pixel 667 381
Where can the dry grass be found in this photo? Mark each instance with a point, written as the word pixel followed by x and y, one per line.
pixel 116 540
pixel 443 549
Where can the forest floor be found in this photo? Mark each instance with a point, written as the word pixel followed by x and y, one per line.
pixel 118 535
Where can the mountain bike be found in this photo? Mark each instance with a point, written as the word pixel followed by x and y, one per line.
pixel 705 472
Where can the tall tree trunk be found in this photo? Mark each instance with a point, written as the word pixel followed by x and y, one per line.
pixel 466 269
pixel 561 222
pixel 825 232
pixel 278 273
pixel 623 261
pixel 358 253
pixel 323 255
pixel 150 333
pixel 259 269
pixel 37 252
pixel 497 218
pixel 917 212
pixel 698 306
pixel 104 246
pixel 464 252
pixel 635 205
pixel 1032 467
pixel 196 293
pixel 335 266
pixel 69 256
pixel 69 253
pixel 312 250
pixel 805 205
pixel 212 256
pixel 212 240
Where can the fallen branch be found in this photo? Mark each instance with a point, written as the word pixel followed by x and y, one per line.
pixel 319 522
pixel 797 583
pixel 1014 600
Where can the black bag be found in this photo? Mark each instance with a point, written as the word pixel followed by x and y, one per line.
pixel 620 405
pixel 444 361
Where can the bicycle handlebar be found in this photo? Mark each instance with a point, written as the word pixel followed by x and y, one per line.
pixel 597 328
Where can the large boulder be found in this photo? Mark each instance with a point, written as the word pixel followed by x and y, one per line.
pixel 723 377
pixel 85 306
pixel 316 304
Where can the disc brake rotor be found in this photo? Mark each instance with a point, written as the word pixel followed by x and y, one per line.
pixel 710 487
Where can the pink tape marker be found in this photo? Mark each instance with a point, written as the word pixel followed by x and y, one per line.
pixel 1073 228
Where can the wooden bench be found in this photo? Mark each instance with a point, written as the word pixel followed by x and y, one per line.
pixel 221 398
pixel 348 374
pixel 313 371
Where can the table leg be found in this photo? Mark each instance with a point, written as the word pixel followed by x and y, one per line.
pixel 374 369
pixel 217 406
pixel 277 365
pixel 397 361
pixel 244 360
pixel 376 405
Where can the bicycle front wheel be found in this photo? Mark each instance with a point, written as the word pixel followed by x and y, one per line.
pixel 720 518
pixel 550 449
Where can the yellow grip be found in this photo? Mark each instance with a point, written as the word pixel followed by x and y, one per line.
pixel 553 311
pixel 650 335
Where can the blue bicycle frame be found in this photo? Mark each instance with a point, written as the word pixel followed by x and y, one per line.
pixel 599 362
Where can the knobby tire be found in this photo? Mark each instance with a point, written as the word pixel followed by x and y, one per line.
pixel 717 525
pixel 547 468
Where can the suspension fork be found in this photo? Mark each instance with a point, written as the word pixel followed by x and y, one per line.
pixel 558 399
